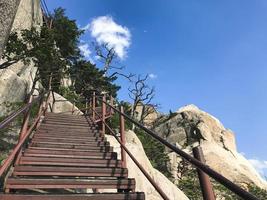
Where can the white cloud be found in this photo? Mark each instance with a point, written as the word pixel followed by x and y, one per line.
pixel 152 76
pixel 260 165
pixel 84 48
pixel 105 30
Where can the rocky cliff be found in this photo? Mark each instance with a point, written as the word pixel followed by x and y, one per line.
pixel 16 81
pixel 190 126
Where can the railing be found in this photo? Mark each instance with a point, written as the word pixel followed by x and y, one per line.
pixel 25 131
pixel 203 170
pixel 108 107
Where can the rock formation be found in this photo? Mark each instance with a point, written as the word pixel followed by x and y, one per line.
pixel 8 12
pixel 63 105
pixel 142 184
pixel 148 113
pixel 191 126
pixel 16 80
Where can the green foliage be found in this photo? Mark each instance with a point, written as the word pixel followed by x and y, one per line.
pixel 88 77
pixel 66 34
pixel 60 48
pixel 6 146
pixel 155 152
pixel 258 192
pixel 17 123
pixel 164 118
pixel 54 48
pixel 51 50
pixel 189 184
pixel 115 119
pixel 70 94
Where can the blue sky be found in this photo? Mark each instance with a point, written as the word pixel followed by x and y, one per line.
pixel 209 53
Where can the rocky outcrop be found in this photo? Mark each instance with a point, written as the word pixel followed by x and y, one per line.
pixel 16 80
pixel 142 184
pixel 14 87
pixel 8 12
pixel 147 114
pixel 191 126
pixel 63 105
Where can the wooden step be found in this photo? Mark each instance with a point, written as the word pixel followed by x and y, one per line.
pixel 69 154
pixel 69 171
pixel 96 149
pixel 66 154
pixel 72 123
pixel 50 126
pixel 63 142
pixel 59 139
pixel 66 126
pixel 72 138
pixel 66 134
pixel 61 115
pixel 79 162
pixel 72 146
pixel 77 117
pixel 29 183
pixel 97 196
pixel 67 131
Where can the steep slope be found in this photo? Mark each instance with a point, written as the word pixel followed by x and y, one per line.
pixel 191 126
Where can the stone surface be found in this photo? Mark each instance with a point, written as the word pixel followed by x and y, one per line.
pixel 8 11
pixel 16 80
pixel 191 126
pixel 232 165
pixel 150 117
pixel 28 15
pixel 142 184
pixel 63 105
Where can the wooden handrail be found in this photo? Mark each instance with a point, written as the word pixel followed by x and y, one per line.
pixel 123 139
pixel 15 114
pixel 193 161
pixel 142 169
pixel 10 159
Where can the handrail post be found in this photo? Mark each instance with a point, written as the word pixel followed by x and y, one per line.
pixel 103 115
pixel 26 119
pixel 123 140
pixel 93 106
pixel 90 104
pixel 86 105
pixel 73 106
pixel 54 101
pixel 111 103
pixel 205 184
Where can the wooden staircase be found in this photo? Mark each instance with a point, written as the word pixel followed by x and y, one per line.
pixel 68 158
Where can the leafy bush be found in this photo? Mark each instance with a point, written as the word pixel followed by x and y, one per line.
pixel 189 184
pixel 155 152
pixel 9 135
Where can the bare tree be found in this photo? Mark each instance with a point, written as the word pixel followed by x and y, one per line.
pixel 108 56
pixel 142 96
